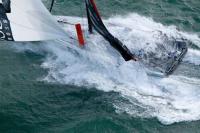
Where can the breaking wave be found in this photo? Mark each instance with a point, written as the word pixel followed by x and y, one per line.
pixel 171 99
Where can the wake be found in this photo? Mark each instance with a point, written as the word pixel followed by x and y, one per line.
pixel 171 99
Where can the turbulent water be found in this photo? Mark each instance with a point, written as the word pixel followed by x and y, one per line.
pixel 56 86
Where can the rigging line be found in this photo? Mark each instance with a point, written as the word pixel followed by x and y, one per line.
pixel 82 16
pixel 51 7
pixel 82 12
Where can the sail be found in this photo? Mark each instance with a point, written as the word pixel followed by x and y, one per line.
pixel 27 20
pixel 94 20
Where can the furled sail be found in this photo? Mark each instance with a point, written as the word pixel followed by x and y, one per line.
pixel 27 20
pixel 95 21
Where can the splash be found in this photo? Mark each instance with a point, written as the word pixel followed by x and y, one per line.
pixel 172 99
pixel 193 57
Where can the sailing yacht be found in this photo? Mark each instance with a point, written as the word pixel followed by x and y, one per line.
pixel 30 20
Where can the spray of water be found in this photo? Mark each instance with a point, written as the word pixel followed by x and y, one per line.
pixel 171 99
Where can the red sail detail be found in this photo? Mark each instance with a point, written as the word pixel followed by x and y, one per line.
pixel 80 35
pixel 95 8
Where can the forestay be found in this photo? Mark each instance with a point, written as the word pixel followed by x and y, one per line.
pixel 27 20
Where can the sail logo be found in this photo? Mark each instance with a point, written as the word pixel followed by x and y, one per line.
pixel 2 35
pixel 6 5
pixel 5 31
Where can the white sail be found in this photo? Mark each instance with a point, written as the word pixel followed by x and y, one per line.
pixel 31 21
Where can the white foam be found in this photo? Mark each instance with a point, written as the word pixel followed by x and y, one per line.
pixel 193 56
pixel 171 99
